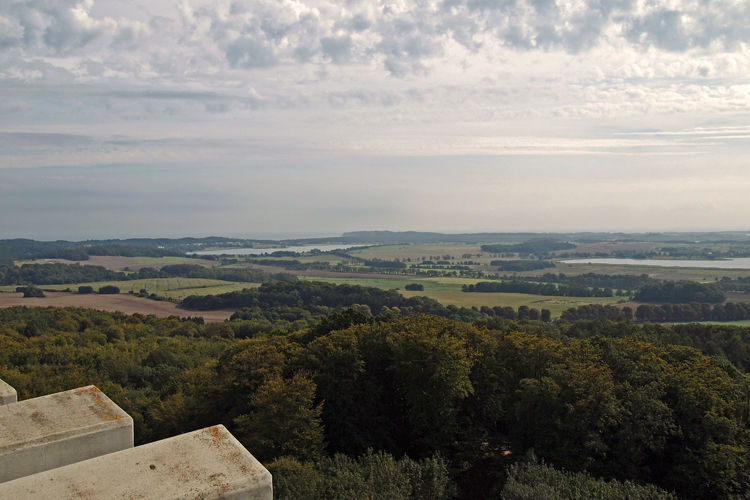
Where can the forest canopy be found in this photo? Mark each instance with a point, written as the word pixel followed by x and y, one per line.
pixel 614 405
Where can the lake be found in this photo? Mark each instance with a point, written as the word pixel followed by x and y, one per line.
pixel 258 251
pixel 743 263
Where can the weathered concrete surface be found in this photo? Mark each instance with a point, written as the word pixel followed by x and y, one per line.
pixel 206 464
pixel 7 394
pixel 52 431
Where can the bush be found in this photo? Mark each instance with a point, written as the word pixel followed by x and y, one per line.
pixel 542 482
pixel 415 287
pixel 109 289
pixel 85 289
pixel 377 476
pixel 30 291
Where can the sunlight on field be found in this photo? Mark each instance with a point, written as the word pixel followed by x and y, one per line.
pixel 175 288
pixel 447 291
pixel 555 304
pixel 416 252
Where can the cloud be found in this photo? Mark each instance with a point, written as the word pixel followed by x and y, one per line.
pixel 403 38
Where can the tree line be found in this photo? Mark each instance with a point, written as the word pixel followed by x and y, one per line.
pixel 84 253
pixel 548 289
pixel 681 292
pixel 530 247
pixel 62 274
pixel 614 281
pixel 684 313
pixel 521 265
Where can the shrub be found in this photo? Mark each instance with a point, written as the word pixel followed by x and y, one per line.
pixel 109 289
pixel 415 287
pixel 85 289
pixel 30 291
pixel 542 482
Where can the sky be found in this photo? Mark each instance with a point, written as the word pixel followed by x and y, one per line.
pixel 280 118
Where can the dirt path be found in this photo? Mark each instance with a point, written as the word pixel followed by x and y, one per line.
pixel 122 302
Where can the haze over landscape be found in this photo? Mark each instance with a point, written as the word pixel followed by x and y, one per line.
pixel 124 118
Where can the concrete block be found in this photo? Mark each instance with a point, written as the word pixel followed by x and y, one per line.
pixel 43 433
pixel 7 394
pixel 207 464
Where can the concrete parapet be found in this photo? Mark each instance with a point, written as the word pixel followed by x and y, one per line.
pixel 43 433
pixel 7 394
pixel 209 464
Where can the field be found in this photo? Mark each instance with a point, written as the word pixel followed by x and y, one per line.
pixel 416 252
pixel 173 288
pixel 122 302
pixel 447 291
pixel 115 263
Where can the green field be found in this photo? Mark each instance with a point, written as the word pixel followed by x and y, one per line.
pixel 416 252
pixel 174 288
pixel 447 291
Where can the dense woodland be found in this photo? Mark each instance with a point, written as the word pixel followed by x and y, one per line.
pixel 303 300
pixel 679 292
pixel 421 407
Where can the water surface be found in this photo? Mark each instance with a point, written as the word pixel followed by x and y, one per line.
pixel 258 251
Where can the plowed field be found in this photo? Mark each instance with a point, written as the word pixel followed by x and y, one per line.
pixel 125 303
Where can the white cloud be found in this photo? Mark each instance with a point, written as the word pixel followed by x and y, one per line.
pixel 243 82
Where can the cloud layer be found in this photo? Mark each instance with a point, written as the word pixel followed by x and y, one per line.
pixel 280 89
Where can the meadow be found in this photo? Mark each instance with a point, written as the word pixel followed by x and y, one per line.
pixel 172 288
pixel 447 291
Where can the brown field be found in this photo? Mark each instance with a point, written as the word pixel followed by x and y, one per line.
pixel 114 263
pixel 662 273
pixel 124 303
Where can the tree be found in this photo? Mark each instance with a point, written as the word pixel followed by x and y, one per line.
pixel 31 291
pixel 542 482
pixel 85 289
pixel 109 289
pixel 283 421
pixel 523 312
pixel 628 313
pixel 546 315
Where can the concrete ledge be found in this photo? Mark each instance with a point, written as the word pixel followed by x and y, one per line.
pixel 52 431
pixel 207 464
pixel 7 394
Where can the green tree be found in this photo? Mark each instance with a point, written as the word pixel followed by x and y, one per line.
pixel 283 421
pixel 546 315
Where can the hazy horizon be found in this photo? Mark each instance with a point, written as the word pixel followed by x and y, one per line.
pixel 135 118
